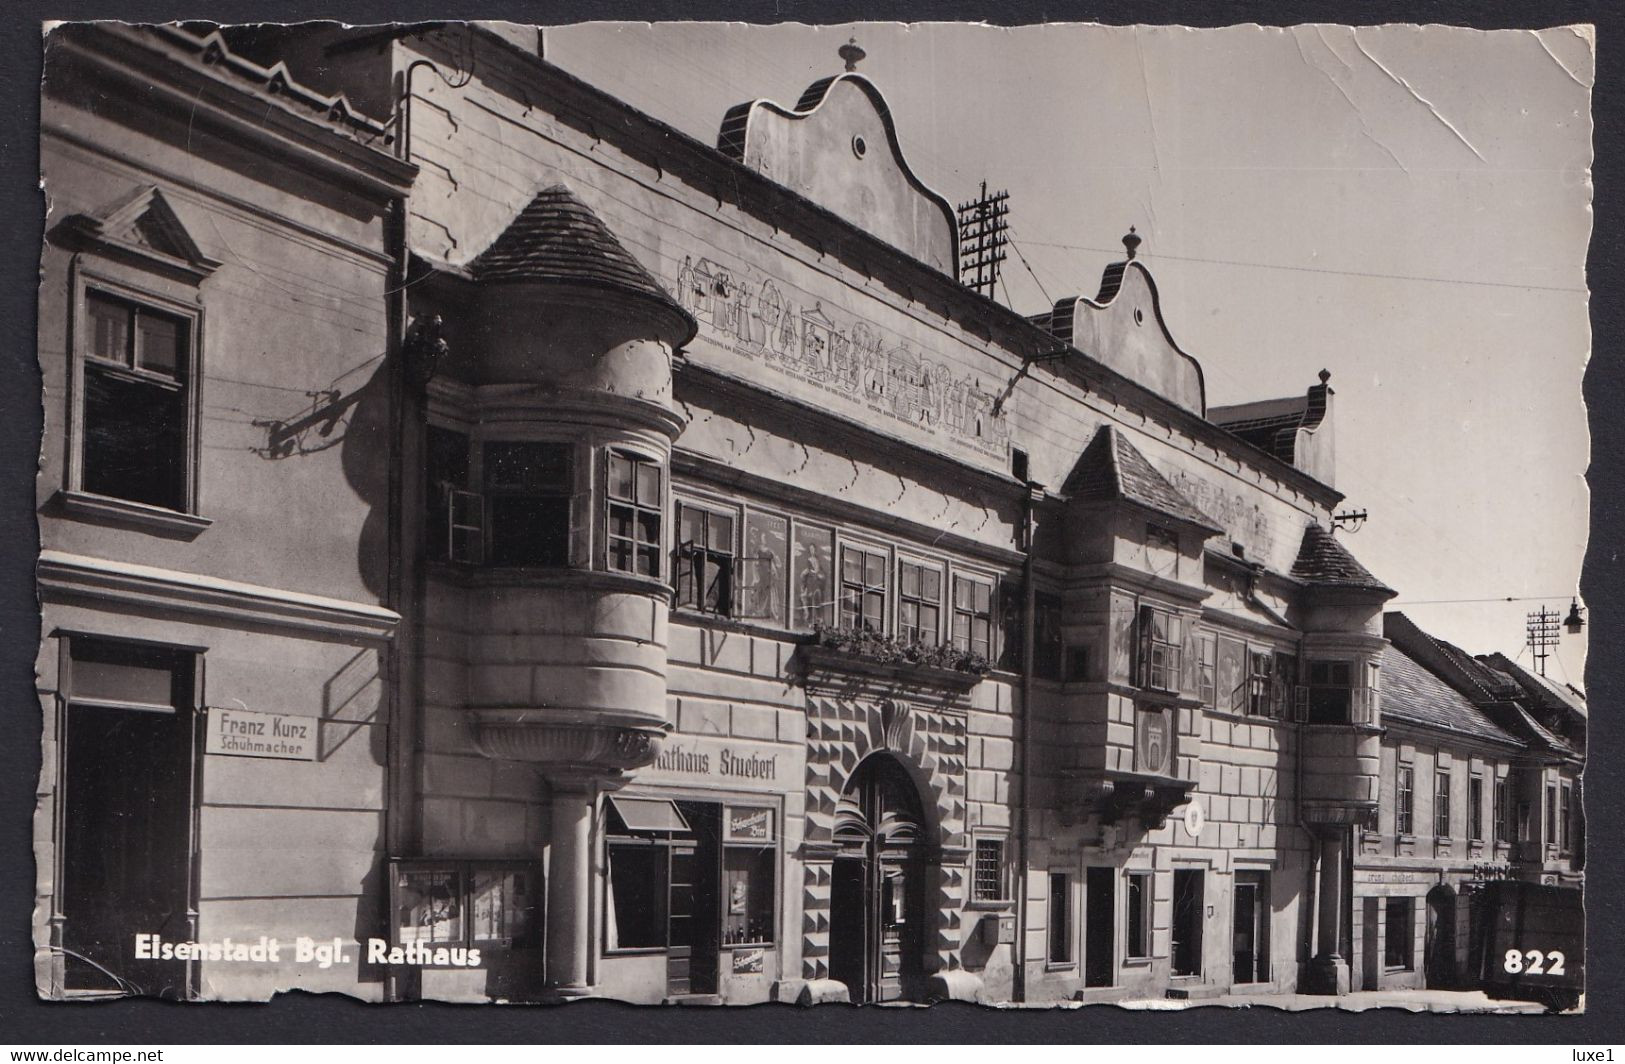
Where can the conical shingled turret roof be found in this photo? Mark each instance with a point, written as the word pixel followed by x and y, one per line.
pixel 1325 562
pixel 1112 469
pixel 557 239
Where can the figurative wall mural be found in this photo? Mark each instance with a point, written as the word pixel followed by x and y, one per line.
pixel 834 350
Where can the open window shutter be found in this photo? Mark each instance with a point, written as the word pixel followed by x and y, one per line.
pixel 1189 660
pixel 465 526
pixel 684 575
pixel 1300 703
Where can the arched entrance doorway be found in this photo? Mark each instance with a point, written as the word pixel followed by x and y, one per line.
pixel 1441 938
pixel 877 897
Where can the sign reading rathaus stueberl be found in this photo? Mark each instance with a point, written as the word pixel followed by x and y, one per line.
pixel 836 351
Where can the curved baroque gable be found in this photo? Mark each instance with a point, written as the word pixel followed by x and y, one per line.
pixel 838 147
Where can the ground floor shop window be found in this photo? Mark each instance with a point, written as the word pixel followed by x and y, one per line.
pixel 689 879
pixel 1187 924
pixel 464 904
pixel 1399 933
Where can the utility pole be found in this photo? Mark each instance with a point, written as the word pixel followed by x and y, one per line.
pixel 982 225
pixel 1541 631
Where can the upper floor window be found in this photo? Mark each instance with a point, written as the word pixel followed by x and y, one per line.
pixel 1441 802
pixel 136 418
pixel 635 503
pixel 1404 800
pixel 527 502
pixel 518 516
pixel 1475 807
pixel 973 615
pixel 1551 814
pixel 1161 648
pixel 863 588
pixel 919 602
pixel 1207 668
pixel 1564 812
pixel 1502 811
pixel 1260 683
pixel 1337 694
pixel 705 560
pixel 1048 641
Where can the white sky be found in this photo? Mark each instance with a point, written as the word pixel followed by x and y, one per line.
pixel 1408 208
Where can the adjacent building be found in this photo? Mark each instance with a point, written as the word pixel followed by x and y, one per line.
pixel 682 587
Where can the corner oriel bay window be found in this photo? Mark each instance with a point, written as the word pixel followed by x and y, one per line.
pixel 1331 691
pixel 517 514
pixel 635 504
pixel 136 427
pixel 527 499
pixel 1162 643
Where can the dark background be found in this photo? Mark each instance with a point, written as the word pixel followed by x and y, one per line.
pixel 332 1018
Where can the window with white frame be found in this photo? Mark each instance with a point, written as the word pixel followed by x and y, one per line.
pixel 635 504
pixel 1404 799
pixel 863 587
pixel 973 615
pixel 1161 648
pixel 919 602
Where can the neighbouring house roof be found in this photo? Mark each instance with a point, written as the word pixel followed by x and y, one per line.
pixel 1111 469
pixel 1551 694
pixel 557 239
pixel 1413 695
pixel 1493 690
pixel 1325 562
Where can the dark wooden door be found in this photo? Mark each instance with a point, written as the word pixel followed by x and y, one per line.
pixel 877 899
pixel 1099 926
pixel 1244 932
pixel 125 862
pixel 849 923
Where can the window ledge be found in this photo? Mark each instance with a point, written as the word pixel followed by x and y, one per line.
pixel 123 511
pixel 990 905
pixel 1060 966
pixel 1136 962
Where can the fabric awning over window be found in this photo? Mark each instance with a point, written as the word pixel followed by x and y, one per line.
pixel 647 815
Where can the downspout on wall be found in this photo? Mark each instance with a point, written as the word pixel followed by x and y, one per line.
pixel 1034 494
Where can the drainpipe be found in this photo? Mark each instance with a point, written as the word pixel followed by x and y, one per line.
pixel 1029 626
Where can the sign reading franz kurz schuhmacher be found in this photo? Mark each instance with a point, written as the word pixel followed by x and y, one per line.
pixel 249 733
pixel 723 762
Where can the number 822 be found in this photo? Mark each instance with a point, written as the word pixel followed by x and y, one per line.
pixel 1533 962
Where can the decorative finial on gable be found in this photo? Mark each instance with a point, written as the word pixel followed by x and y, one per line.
pixel 1325 375
pixel 851 54
pixel 1131 242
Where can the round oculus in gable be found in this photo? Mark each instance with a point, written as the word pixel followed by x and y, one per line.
pixel 860 147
